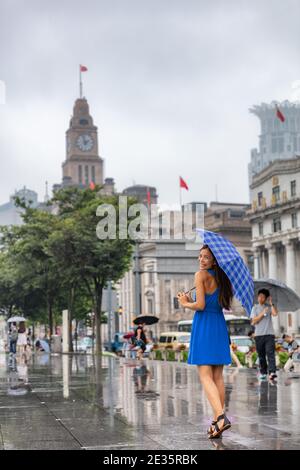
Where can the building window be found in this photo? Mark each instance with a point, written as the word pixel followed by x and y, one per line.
pixel 276 193
pixel 270 125
pixel 260 228
pixel 150 306
pixel 280 144
pixel 86 174
pixel 236 214
pixel 277 145
pixel 294 220
pixel 250 263
pixel 150 277
pixel 295 144
pixel 293 188
pixel 79 174
pixel 93 174
pixel 276 224
pixel 292 124
pixel 259 198
pixel 83 122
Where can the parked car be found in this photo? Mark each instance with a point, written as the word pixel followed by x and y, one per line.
pixel 243 343
pixel 174 339
pixel 117 343
pixel 84 344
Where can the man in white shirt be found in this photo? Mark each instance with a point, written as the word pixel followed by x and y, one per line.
pixel 261 316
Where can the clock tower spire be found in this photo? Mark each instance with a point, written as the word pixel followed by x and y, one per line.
pixel 83 164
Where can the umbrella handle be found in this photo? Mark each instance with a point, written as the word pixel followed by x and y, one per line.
pixel 190 290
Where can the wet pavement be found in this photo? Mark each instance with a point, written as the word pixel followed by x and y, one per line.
pixel 78 402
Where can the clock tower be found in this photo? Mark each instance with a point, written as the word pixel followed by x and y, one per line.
pixel 83 164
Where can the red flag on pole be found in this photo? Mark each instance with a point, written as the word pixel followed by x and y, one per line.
pixel 183 183
pixel 83 68
pixel 279 114
pixel 148 197
pixel 92 185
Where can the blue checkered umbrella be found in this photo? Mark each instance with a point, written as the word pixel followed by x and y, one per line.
pixel 231 262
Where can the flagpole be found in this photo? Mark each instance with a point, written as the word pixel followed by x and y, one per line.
pixel 80 82
pixel 180 197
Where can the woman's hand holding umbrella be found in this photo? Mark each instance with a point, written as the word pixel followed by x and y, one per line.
pixel 183 299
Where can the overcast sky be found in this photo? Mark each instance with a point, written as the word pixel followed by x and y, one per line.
pixel 169 86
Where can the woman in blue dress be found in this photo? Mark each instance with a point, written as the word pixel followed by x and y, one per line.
pixel 210 343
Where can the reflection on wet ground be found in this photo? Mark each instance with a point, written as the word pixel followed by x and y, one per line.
pixel 74 402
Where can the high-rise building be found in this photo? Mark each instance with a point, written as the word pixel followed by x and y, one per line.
pixel 10 214
pixel 278 139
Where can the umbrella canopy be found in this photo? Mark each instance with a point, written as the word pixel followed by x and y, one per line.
pixel 44 345
pixel 15 319
pixel 231 262
pixel 147 319
pixel 283 297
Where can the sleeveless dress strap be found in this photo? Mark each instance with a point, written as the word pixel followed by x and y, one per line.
pixel 211 271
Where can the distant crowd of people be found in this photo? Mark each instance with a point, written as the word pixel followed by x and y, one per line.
pixel 20 340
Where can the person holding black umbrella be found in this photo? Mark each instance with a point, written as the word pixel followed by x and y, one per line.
pixel 140 340
pixel 261 316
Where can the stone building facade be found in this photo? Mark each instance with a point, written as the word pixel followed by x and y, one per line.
pixel 274 218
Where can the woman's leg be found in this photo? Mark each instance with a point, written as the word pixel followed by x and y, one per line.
pixel 219 381
pixel 211 390
pixel 288 364
pixel 139 353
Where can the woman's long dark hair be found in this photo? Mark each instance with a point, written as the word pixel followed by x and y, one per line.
pixel 22 328
pixel 225 291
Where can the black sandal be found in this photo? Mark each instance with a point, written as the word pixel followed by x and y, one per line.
pixel 210 429
pixel 226 425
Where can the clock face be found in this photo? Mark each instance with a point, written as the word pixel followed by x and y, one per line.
pixel 85 142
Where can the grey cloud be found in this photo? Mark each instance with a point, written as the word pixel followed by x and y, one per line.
pixel 169 86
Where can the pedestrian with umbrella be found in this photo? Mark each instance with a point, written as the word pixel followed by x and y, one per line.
pixel 140 339
pixel 14 333
pixel 222 275
pixel 261 316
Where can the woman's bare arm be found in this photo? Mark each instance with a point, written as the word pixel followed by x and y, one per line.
pixel 200 294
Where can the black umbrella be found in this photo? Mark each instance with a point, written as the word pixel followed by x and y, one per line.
pixel 147 319
pixel 284 298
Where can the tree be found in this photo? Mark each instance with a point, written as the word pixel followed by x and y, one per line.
pixel 93 261
pixel 55 260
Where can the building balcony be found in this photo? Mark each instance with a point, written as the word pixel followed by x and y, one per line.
pixel 275 205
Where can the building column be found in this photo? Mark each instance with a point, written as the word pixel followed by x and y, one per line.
pixel 264 264
pixel 290 277
pixel 256 264
pixel 272 261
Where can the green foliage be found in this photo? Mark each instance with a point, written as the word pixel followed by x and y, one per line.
pixel 184 356
pixel 254 357
pixel 158 355
pixel 283 357
pixel 170 355
pixel 55 261
pixel 241 357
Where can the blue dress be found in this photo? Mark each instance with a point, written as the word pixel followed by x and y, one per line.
pixel 209 343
